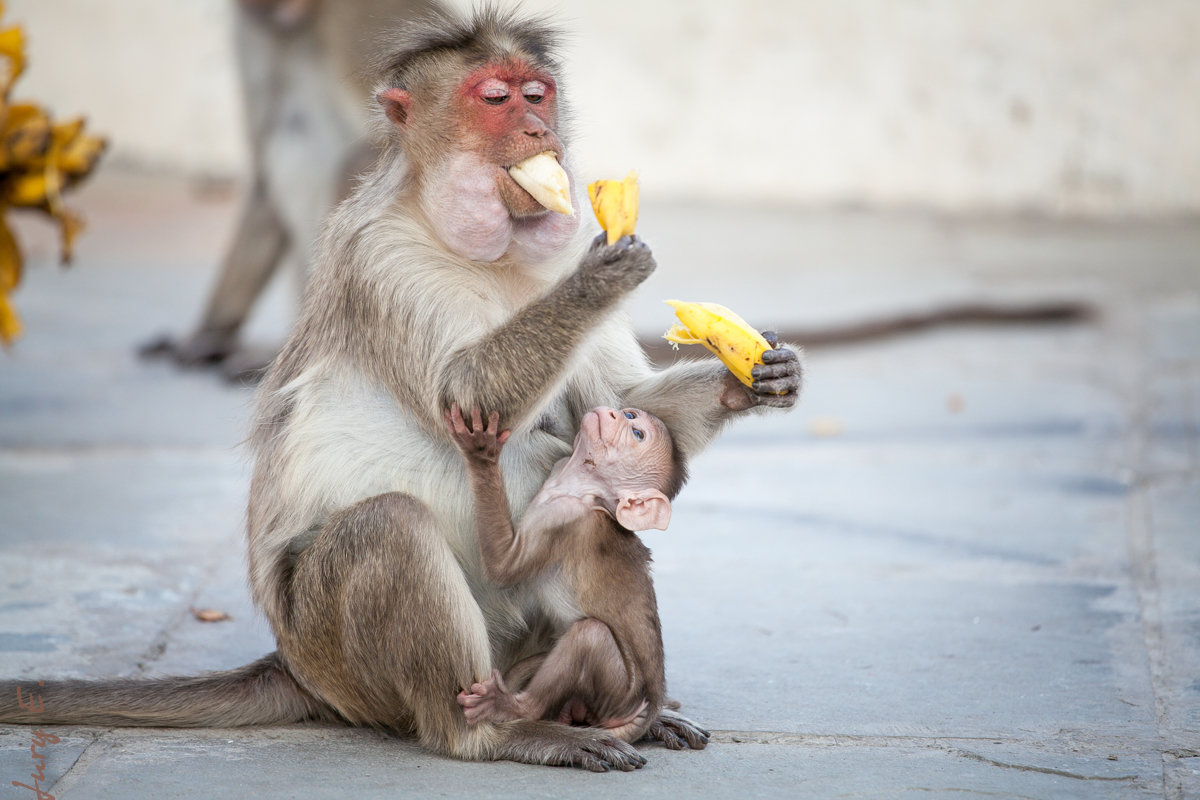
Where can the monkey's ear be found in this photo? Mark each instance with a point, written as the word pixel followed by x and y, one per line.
pixel 397 104
pixel 644 511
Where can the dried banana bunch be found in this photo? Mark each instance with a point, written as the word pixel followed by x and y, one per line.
pixel 40 159
pixel 723 332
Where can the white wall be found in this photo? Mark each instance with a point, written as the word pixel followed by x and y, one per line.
pixel 1059 106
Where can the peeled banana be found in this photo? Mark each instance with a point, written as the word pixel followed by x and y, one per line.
pixel 616 205
pixel 723 332
pixel 544 178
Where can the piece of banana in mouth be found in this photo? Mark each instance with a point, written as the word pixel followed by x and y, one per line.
pixel 544 178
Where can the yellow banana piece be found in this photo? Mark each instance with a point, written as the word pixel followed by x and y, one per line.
pixel 616 205
pixel 544 178
pixel 723 332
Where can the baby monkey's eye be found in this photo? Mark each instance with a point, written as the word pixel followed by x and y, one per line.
pixel 629 415
pixel 639 434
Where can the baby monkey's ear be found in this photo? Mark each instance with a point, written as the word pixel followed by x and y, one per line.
pixel 644 510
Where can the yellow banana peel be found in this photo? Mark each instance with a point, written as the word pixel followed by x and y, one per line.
pixel 616 205
pixel 723 332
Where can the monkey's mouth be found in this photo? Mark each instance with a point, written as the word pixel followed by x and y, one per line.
pixel 545 180
pixel 592 426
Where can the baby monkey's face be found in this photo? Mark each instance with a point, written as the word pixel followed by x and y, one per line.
pixel 627 447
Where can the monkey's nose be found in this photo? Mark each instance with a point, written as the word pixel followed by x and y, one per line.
pixel 534 126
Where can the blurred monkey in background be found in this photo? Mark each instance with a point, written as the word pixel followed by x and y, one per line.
pixel 305 71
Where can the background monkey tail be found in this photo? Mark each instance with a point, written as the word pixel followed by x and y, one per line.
pixel 260 693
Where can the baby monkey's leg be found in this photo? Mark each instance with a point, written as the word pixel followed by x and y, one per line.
pixel 585 667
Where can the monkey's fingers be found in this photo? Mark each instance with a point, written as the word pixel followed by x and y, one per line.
pixel 777 387
pixel 766 372
pixel 776 400
pixel 497 679
pixel 777 376
pixel 459 426
pixel 610 753
pixel 676 731
pixel 493 423
pixel 778 355
pixel 666 737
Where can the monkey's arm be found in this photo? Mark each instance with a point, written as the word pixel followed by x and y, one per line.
pixel 514 366
pixel 509 555
pixel 696 398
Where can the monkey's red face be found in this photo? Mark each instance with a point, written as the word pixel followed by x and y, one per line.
pixel 506 113
pixel 497 116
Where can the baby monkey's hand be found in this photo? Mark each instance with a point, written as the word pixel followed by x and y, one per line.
pixel 478 442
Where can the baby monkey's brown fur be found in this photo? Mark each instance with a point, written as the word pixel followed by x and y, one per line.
pixel 606 669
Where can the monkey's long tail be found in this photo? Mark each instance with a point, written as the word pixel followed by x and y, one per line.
pixel 260 693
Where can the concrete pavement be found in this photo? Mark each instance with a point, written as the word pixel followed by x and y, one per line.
pixel 967 566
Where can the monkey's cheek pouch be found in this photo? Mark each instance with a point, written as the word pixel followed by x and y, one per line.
pixel 724 333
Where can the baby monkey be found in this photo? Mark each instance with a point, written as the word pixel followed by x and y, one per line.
pixel 607 668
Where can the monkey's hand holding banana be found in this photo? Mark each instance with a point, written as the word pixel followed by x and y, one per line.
pixel 761 371
pixel 624 265
pixel 615 204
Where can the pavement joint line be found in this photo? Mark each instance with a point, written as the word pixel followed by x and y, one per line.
pixel 1142 555
pixel 1062 773
pixel 1145 584
pixel 838 739
pixel 92 752
pixel 162 639
pixel 936 739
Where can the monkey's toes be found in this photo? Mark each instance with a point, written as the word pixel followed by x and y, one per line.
pixel 605 754
pixel 677 732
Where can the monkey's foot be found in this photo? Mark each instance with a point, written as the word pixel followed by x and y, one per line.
pixel 630 727
pixel 489 700
pixel 200 349
pixel 575 712
pixel 677 732
pixel 542 742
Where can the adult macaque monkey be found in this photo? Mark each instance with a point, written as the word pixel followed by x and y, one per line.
pixel 438 281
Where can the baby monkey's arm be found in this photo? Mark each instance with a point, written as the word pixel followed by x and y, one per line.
pixel 509 555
